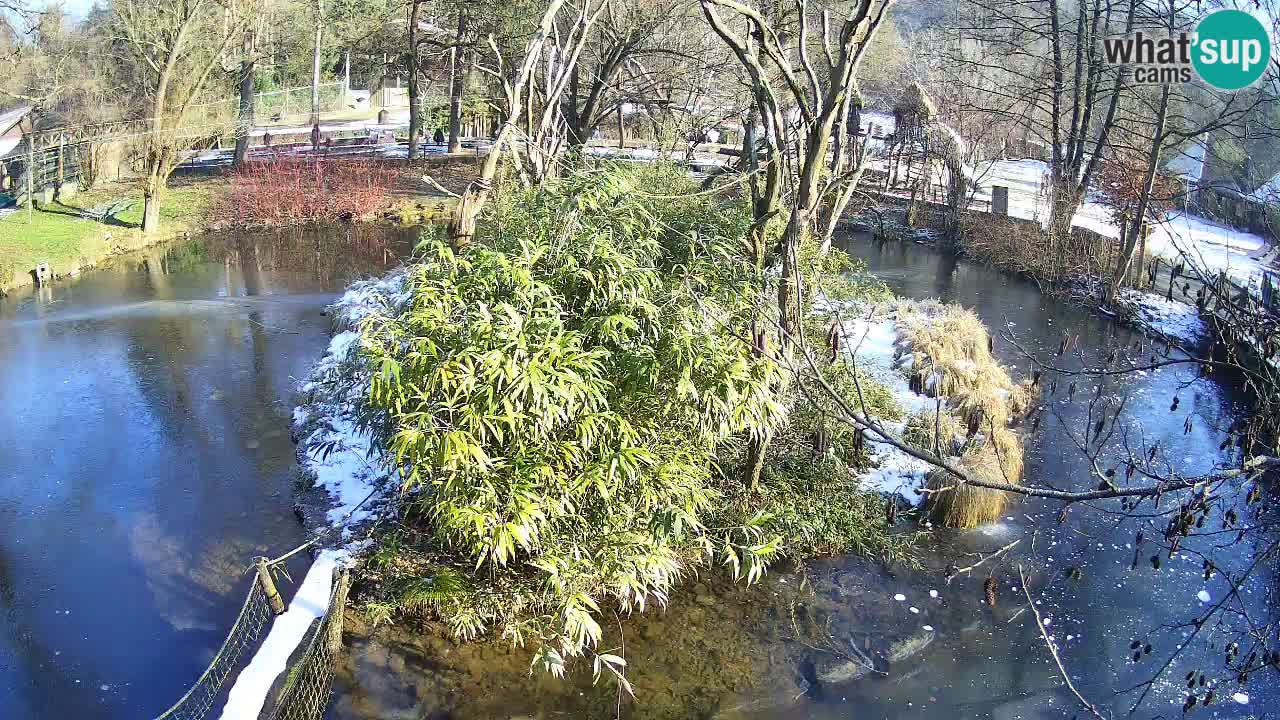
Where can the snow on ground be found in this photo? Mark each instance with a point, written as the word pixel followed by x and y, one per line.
pixel 333 449
pixel 876 350
pixel 1210 246
pixel 1169 318
pixel 339 456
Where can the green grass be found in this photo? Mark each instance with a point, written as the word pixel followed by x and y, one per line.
pixel 59 234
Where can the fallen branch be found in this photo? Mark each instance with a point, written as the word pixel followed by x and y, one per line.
pixel 1053 650
pixel 951 574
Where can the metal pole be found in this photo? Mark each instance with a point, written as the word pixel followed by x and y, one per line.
pixel 269 587
pixel 315 71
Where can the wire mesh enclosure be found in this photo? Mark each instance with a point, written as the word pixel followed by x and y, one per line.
pixel 309 682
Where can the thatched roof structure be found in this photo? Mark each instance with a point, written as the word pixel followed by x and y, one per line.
pixel 914 110
pixel 915 101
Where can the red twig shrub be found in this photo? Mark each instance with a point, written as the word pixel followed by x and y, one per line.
pixel 287 190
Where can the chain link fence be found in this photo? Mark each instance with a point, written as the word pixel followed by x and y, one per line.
pixel 273 106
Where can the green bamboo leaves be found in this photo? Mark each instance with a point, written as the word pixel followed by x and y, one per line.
pixel 555 396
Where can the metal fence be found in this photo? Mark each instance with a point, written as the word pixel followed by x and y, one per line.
pixel 307 687
pixel 273 106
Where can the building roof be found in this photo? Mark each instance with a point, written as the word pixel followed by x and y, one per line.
pixel 9 118
pixel 8 121
pixel 915 101
pixel 1188 162
pixel 1268 192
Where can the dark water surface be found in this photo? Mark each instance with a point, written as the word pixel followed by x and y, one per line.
pixel 145 458
pixel 751 653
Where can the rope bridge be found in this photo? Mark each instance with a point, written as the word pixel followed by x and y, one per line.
pixel 306 690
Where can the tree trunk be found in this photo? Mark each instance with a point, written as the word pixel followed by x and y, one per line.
pixel 151 197
pixel 415 109
pixel 1144 198
pixel 462 226
pixel 244 124
pixel 460 73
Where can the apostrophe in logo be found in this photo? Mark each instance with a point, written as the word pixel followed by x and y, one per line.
pixel 1231 49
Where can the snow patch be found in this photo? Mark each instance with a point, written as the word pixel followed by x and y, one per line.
pixel 880 354
pixel 337 454
pixel 1170 318
pixel 334 450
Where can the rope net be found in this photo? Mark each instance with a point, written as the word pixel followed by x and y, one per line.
pixel 309 682
pixel 255 616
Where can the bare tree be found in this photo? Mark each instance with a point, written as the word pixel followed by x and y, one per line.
pixel 515 82
pixel 786 82
pixel 175 47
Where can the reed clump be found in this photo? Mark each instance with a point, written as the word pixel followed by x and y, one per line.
pixel 952 360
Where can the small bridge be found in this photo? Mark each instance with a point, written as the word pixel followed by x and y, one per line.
pixel 308 682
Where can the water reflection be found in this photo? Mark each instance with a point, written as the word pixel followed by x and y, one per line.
pixel 145 457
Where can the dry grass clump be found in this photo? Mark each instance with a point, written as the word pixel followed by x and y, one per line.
pixel 1021 246
pixel 958 505
pixel 952 359
pixel 922 426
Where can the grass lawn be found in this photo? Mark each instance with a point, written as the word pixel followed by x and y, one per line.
pixel 62 235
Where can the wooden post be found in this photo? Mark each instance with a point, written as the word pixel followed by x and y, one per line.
pixel 31 173
pixel 269 587
pixel 337 610
pixel 622 130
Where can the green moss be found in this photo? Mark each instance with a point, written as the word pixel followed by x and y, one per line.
pixel 817 504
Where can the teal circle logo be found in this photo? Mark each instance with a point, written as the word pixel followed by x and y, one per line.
pixel 1232 49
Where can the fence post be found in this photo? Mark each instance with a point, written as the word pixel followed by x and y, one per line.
pixel 269 587
pixel 336 612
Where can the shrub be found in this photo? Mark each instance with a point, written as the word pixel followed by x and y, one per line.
pixel 1021 246
pixel 290 190
pixel 554 397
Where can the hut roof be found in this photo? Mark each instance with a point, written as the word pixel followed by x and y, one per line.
pixel 915 101
pixel 10 133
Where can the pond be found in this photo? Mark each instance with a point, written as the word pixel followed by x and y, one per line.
pixel 933 648
pixel 145 458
